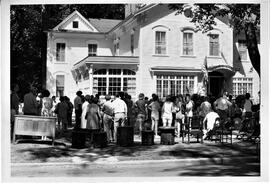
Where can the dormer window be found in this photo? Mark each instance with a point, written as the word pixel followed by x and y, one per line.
pixel 75 24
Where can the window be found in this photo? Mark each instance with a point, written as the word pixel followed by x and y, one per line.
pixel 60 52
pixel 92 49
pixel 214 44
pixel 112 81
pixel 75 24
pixel 132 44
pixel 187 43
pixel 242 49
pixel 160 43
pixel 241 86
pixel 174 85
pixel 60 84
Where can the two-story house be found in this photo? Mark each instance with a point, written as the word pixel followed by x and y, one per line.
pixel 151 51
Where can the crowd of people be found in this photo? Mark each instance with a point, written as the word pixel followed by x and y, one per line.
pixel 93 113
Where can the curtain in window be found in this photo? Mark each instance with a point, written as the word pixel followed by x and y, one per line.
pixel 60 51
pixel 188 44
pixel 160 42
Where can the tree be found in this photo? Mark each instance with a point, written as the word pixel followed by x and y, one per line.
pixel 241 17
pixel 29 41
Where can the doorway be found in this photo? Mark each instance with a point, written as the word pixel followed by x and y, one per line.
pixel 216 82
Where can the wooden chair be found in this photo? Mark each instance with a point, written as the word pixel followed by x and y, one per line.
pixel 193 127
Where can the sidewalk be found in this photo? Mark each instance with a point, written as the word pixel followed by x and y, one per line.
pixel 30 152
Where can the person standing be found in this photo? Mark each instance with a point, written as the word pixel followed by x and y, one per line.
pixel 108 117
pixel 84 111
pixel 141 105
pixel 78 109
pixel 179 117
pixel 62 111
pixel 222 105
pixel 167 110
pixel 189 107
pixel 54 105
pixel 154 106
pixel 93 115
pixel 120 113
pixel 30 102
pixel 247 112
pixel 70 110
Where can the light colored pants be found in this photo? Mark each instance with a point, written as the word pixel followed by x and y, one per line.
pixel 107 121
pixel 140 119
pixel 166 120
pixel 117 118
pixel 155 124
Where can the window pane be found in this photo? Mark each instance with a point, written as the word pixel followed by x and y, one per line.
pixel 114 71
pixel 214 45
pixel 60 52
pixel 160 42
pixel 92 49
pixel 114 85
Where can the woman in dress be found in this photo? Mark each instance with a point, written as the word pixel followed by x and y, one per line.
pixel 93 115
pixel 154 107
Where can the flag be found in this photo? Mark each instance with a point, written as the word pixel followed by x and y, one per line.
pixel 205 72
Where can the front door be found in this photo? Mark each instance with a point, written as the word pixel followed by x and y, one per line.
pixel 216 82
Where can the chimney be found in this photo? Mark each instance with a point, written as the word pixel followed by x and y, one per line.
pixel 130 9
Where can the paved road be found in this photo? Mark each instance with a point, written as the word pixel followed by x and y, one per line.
pixel 191 167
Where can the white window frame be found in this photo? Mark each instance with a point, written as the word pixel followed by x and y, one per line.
pixel 239 50
pixel 235 80
pixel 187 30
pixel 92 42
pixel 219 33
pixel 161 28
pixel 121 76
pixel 55 48
pixel 175 79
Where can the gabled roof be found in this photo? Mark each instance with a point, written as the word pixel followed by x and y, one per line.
pixel 75 13
pixel 104 25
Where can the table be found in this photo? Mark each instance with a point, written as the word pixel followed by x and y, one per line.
pixel 34 126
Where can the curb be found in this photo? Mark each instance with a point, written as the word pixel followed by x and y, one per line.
pixel 104 162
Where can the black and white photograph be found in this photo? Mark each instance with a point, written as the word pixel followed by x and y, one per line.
pixel 157 91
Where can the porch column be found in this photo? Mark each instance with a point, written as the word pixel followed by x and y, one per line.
pixel 91 79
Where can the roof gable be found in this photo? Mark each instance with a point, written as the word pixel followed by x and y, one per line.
pixel 104 25
pixel 83 24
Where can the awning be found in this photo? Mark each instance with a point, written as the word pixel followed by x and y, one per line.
pixel 111 60
pixel 83 66
pixel 219 64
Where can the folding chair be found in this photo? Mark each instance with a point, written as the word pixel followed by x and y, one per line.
pixel 193 127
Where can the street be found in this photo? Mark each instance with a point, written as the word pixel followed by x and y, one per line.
pixel 189 167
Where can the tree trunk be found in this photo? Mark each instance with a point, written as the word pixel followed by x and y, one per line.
pixel 252 47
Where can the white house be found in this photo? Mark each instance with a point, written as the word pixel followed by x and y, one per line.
pixel 151 51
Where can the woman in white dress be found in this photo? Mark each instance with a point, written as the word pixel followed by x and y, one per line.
pixel 84 111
